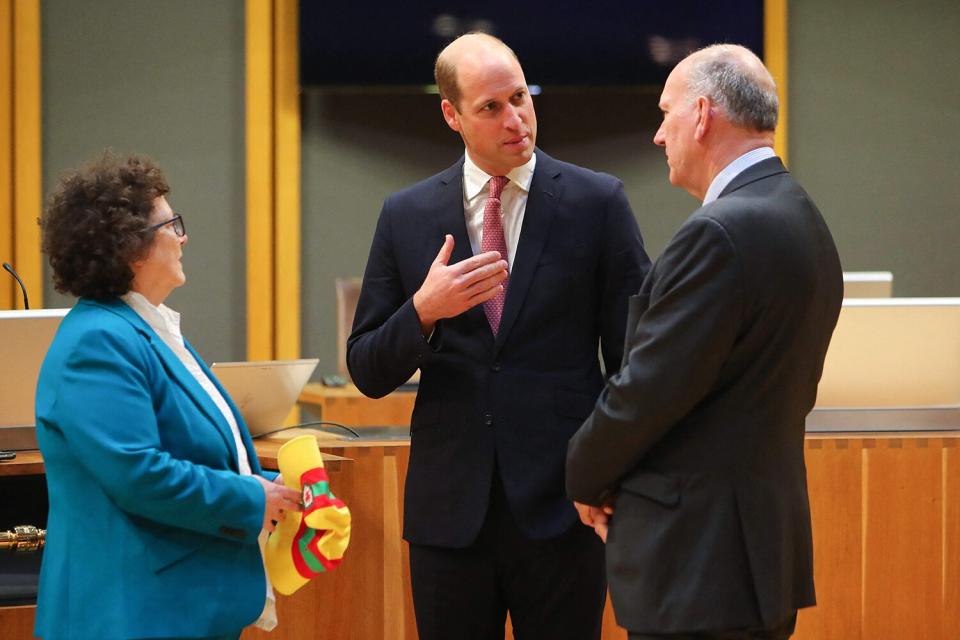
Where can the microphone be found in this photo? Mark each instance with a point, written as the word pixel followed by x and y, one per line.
pixel 26 302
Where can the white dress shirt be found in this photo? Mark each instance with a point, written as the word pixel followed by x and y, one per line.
pixel 166 323
pixel 734 169
pixel 513 200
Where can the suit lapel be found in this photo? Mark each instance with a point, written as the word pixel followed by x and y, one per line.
pixel 546 189
pixel 244 431
pixel 181 376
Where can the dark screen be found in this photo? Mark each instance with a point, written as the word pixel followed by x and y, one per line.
pixel 602 43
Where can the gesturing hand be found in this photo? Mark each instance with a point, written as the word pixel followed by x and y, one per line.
pixel 451 289
pixel 280 499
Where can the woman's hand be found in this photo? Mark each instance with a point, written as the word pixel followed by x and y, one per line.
pixel 280 499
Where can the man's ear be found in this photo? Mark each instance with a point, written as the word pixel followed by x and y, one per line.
pixel 450 114
pixel 704 118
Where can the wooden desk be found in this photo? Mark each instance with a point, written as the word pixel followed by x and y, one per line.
pixel 27 463
pixel 346 405
pixel 886 526
pixel 886 536
pixel 368 596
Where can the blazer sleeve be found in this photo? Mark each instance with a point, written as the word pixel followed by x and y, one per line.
pixel 625 264
pixel 103 407
pixel 675 353
pixel 386 345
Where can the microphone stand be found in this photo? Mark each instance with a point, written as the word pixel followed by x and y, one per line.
pixel 26 302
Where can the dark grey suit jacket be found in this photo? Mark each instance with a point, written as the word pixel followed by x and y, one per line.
pixel 700 435
pixel 510 402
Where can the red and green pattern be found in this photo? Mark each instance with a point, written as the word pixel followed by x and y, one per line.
pixel 316 491
pixel 308 558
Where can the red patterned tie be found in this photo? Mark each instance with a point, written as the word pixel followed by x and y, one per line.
pixel 493 240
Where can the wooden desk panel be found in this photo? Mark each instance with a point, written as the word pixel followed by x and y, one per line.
pixel 16 623
pixel 27 463
pixel 346 405
pixel 834 484
pixel 886 523
pixel 368 595
pixel 951 538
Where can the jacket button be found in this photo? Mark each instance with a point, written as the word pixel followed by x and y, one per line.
pixel 495 366
pixel 488 419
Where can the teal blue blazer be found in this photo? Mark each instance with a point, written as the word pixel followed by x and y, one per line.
pixel 151 531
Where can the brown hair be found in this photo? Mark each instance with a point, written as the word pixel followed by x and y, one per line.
pixel 95 224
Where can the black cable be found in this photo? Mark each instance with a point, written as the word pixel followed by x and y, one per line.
pixel 314 424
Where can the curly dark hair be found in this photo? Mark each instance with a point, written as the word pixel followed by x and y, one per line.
pixel 95 222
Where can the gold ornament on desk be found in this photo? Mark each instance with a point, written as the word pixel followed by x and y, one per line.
pixel 25 537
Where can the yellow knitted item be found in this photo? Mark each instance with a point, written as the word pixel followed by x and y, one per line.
pixel 313 542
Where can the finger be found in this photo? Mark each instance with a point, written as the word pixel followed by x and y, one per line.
pixel 446 250
pixel 495 279
pixel 494 273
pixel 602 530
pixel 475 262
pixel 291 505
pixel 483 295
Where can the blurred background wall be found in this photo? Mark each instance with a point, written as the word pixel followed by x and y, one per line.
pixel 874 130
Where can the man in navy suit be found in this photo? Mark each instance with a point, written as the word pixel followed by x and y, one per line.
pixel 536 260
pixel 693 458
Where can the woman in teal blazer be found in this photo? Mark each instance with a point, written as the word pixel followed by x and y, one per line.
pixel 152 530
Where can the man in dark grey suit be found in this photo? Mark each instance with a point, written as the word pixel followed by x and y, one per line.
pixel 692 459
pixel 509 368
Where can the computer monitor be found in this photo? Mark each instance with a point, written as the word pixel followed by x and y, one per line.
pixel 264 391
pixel 25 337
pixel 867 284
pixel 896 352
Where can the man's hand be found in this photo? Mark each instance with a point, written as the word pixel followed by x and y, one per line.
pixel 449 290
pixel 596 517
pixel 280 499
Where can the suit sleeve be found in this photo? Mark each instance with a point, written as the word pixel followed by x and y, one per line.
pixel 386 345
pixel 105 411
pixel 625 264
pixel 675 353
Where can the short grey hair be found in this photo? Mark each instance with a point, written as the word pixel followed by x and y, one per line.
pixel 747 96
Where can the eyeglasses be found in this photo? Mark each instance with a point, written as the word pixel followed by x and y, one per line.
pixel 176 221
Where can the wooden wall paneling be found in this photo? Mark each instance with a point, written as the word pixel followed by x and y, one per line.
pixel 903 550
pixel 950 579
pixel 834 481
pixel 6 149
pixel 775 50
pixel 260 183
pixel 27 188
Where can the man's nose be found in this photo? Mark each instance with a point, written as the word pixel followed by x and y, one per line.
pixel 658 138
pixel 512 117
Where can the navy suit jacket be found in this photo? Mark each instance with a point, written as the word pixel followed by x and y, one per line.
pixel 700 435
pixel 511 402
